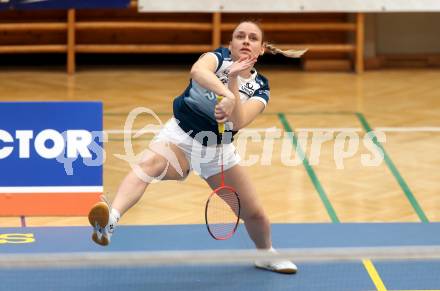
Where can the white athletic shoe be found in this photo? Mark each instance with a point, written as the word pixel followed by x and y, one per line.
pixel 278 266
pixel 99 217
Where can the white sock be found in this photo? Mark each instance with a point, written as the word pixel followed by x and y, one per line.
pixel 113 221
pixel 270 250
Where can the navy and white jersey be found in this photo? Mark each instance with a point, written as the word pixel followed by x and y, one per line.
pixel 194 109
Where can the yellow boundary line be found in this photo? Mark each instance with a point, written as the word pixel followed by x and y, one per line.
pixel 377 281
pixel 374 275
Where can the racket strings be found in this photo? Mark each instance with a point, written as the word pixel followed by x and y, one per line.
pixel 223 213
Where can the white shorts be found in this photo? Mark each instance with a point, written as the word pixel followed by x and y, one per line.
pixel 204 160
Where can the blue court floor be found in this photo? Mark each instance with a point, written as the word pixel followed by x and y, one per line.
pixel 406 275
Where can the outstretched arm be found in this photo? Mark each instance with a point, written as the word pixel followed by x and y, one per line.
pixel 203 72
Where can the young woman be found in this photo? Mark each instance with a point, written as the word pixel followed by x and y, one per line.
pixel 226 72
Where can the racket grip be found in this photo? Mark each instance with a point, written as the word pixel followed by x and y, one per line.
pixel 221 126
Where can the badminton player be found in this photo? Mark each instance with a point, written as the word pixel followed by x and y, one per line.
pixel 227 72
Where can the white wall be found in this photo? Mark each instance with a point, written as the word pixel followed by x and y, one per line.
pixel 289 5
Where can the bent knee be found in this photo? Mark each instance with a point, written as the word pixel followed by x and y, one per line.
pixel 154 166
pixel 257 214
pixel 158 167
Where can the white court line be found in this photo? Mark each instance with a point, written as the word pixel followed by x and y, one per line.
pixel 310 129
pixel 52 189
pixel 263 129
pixel 121 131
pixel 409 129
pixel 158 128
pixel 327 129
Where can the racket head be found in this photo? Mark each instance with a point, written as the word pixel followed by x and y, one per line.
pixel 222 212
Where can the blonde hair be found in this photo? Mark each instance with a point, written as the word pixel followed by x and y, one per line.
pixel 271 48
pixel 290 53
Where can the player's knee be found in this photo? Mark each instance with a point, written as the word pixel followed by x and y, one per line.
pixel 256 215
pixel 182 175
pixel 154 166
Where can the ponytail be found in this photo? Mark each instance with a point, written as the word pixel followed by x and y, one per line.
pixel 270 48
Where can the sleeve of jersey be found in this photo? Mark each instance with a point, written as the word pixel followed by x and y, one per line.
pixel 262 94
pixel 219 55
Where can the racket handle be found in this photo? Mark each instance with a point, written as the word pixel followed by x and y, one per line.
pixel 221 126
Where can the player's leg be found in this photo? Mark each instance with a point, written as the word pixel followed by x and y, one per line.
pixel 256 221
pixel 154 165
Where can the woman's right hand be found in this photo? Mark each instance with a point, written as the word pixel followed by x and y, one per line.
pixel 224 108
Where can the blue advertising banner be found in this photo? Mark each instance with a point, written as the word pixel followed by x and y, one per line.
pixel 51 144
pixel 51 147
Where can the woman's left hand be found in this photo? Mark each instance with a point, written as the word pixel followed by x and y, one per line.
pixel 244 63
